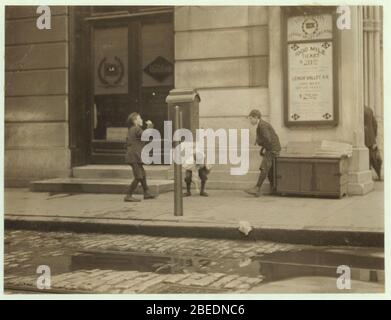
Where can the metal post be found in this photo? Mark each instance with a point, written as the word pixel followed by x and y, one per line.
pixel 178 200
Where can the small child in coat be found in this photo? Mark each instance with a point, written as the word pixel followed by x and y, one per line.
pixel 201 168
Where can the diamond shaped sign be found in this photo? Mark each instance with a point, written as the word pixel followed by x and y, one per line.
pixel 159 69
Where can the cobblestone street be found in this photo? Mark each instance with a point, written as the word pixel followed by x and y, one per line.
pixel 26 250
pixel 102 263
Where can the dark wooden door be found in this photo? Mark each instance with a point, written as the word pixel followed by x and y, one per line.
pixel 132 71
pixel 157 70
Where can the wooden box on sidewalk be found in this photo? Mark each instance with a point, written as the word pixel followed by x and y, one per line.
pixel 312 175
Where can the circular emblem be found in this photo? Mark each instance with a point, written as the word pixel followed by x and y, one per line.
pixel 309 26
pixel 110 73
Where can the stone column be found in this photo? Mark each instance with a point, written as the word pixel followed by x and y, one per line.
pixel 373 65
pixel 352 98
pixel 365 58
pixel 276 91
pixel 378 78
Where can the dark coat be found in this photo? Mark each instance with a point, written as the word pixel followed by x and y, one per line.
pixel 267 137
pixel 370 127
pixel 134 145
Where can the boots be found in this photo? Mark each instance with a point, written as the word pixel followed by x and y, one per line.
pixel 188 192
pixel 147 194
pixel 255 191
pixel 203 193
pixel 129 197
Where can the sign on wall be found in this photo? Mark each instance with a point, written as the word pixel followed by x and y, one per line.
pixel 157 46
pixel 310 70
pixel 159 69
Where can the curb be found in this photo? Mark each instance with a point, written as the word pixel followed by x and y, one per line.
pixel 197 230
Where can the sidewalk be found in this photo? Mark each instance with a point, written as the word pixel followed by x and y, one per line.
pixel 357 220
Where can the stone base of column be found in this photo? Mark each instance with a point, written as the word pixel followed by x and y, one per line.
pixel 360 176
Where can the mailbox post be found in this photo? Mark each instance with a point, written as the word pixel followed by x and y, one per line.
pixel 188 102
pixel 183 111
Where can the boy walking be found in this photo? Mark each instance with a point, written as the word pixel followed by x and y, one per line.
pixel 269 142
pixel 134 146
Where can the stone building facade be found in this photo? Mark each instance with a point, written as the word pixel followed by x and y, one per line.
pixel 232 55
pixel 36 96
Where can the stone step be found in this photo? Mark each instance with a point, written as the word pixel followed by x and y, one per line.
pixel 119 186
pixel 96 171
pixel 235 185
pixel 222 180
pixel 115 179
pixel 225 175
pixel 78 185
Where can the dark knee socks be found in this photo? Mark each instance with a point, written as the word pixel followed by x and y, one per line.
pixel 188 179
pixel 261 178
pixel 143 182
pixel 133 186
pixel 188 185
pixel 203 183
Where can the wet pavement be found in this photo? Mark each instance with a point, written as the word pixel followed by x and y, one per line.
pixel 104 263
pixel 353 215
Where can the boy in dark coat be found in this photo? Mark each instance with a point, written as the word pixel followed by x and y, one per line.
pixel 134 146
pixel 269 142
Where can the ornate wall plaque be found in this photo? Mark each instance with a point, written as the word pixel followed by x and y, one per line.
pixel 310 71
pixel 312 27
pixel 111 60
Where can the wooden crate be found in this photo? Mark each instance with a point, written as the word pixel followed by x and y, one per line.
pixel 312 176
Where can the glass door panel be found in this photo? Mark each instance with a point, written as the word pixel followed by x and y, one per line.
pixel 133 71
pixel 157 56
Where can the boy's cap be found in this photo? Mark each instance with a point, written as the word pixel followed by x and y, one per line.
pixel 255 113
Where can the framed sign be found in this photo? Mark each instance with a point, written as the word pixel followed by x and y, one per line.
pixel 310 67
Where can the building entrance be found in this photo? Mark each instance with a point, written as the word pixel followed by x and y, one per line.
pixel 132 70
